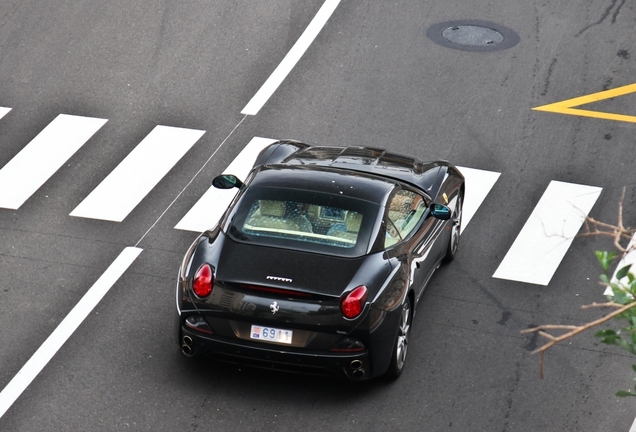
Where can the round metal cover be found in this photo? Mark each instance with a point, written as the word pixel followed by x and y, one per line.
pixel 472 35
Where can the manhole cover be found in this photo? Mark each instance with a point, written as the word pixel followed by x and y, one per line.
pixel 472 35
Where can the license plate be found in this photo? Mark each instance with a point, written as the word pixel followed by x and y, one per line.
pixel 271 334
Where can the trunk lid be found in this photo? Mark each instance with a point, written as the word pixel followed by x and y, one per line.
pixel 242 263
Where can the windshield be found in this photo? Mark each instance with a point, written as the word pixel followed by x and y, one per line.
pixel 304 220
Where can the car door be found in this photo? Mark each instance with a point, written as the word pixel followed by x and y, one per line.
pixel 410 235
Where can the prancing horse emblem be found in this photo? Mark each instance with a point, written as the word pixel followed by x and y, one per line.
pixel 274 307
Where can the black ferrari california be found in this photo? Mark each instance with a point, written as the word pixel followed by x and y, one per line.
pixel 319 262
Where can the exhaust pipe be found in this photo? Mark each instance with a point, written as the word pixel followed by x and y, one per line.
pixel 358 371
pixel 186 348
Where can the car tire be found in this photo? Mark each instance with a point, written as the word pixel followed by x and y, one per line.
pixel 400 347
pixel 456 227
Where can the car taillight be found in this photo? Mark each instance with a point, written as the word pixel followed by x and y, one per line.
pixel 353 303
pixel 203 281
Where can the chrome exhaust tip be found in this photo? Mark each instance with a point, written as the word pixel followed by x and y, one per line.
pixel 186 348
pixel 356 364
pixel 358 373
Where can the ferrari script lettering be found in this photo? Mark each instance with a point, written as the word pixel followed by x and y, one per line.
pixel 280 279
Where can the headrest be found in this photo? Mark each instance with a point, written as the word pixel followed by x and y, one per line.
pixel 272 208
pixel 353 221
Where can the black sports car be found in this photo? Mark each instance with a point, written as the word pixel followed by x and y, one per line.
pixel 320 260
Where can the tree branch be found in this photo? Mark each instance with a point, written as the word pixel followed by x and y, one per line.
pixel 574 330
pixel 618 233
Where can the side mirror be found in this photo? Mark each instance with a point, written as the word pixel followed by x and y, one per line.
pixel 226 181
pixel 440 211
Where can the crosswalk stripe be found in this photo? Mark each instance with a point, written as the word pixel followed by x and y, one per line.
pixel 4 111
pixel 478 186
pixel 23 175
pixel 544 240
pixel 208 210
pixel 119 193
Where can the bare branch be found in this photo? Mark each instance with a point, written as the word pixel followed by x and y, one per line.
pixel 619 235
pixel 546 335
pixel 575 330
pixel 617 232
pixel 550 327
pixel 608 304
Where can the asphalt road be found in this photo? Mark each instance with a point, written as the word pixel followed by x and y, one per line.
pixel 371 77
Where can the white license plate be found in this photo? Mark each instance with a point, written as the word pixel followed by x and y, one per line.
pixel 271 334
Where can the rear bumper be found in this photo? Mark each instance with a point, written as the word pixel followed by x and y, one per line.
pixel 355 366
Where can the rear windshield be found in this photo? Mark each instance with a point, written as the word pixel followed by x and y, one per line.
pixel 304 220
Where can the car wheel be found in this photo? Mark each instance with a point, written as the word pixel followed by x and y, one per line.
pixel 456 227
pixel 400 348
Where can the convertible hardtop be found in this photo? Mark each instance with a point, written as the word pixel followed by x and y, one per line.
pixel 424 175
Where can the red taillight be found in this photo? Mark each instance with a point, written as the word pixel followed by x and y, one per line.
pixel 203 281
pixel 353 303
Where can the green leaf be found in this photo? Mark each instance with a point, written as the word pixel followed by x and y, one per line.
pixel 620 296
pixel 623 393
pixel 623 272
pixel 604 279
pixel 609 337
pixel 605 259
pixel 634 367
pixel 603 333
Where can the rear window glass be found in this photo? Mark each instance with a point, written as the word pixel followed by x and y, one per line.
pixel 304 220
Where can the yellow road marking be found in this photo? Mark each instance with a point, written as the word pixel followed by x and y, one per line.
pixel 568 106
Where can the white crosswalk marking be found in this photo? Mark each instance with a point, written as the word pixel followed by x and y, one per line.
pixel 4 111
pixel 478 186
pixel 545 238
pixel 23 175
pixel 137 174
pixel 208 210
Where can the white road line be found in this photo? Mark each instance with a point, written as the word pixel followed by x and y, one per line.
pixel 124 188
pixel 478 186
pixel 292 57
pixel 4 111
pixel 43 156
pixel 633 428
pixel 208 210
pixel 545 238
pixel 66 328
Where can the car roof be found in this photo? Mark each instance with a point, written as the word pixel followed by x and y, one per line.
pixel 324 179
pixel 370 160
